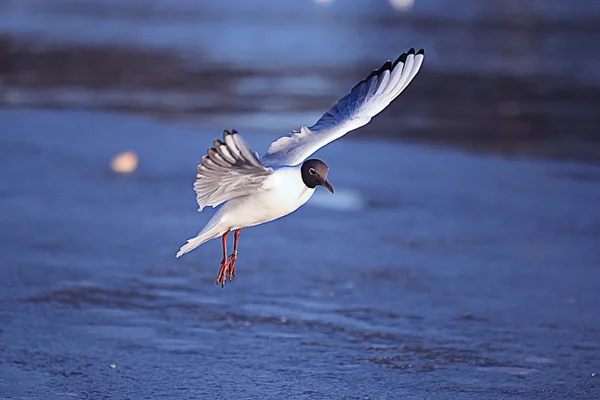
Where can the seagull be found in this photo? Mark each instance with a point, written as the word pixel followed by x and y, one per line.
pixel 254 190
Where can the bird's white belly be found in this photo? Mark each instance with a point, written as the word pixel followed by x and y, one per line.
pixel 266 206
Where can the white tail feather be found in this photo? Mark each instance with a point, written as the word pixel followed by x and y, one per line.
pixel 211 230
pixel 191 245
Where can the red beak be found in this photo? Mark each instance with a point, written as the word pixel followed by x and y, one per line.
pixel 327 185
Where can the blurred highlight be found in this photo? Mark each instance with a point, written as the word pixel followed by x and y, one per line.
pixel 125 163
pixel 343 200
pixel 402 5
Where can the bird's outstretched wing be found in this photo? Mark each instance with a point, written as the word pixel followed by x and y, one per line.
pixel 367 99
pixel 229 170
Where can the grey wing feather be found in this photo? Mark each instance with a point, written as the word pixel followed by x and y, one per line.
pixel 368 98
pixel 230 169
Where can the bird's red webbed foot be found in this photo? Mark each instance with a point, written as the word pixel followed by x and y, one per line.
pixel 227 269
pixel 228 264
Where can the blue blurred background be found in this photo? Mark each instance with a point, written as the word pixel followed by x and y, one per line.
pixel 459 257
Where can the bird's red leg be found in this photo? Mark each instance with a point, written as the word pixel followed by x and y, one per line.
pixel 233 256
pixel 222 277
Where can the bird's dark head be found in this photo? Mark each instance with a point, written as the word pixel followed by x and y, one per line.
pixel 314 173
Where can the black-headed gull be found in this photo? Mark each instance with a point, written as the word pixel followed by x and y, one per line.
pixel 257 189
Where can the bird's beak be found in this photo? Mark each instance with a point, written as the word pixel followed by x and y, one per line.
pixel 327 185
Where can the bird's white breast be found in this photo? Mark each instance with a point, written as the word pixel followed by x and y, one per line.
pixel 286 192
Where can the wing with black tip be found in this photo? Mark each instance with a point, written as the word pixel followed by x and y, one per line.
pixel 368 98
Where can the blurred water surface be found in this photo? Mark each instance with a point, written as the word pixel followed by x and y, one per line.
pixel 511 76
pixel 432 273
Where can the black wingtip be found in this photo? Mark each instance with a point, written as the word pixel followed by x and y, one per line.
pixel 401 59
pixel 388 65
pixel 227 133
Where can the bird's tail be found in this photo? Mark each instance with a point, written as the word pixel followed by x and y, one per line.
pixel 191 245
pixel 210 231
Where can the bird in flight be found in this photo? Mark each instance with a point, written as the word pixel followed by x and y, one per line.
pixel 256 190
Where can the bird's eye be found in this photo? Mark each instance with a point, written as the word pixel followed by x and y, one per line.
pixel 311 171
